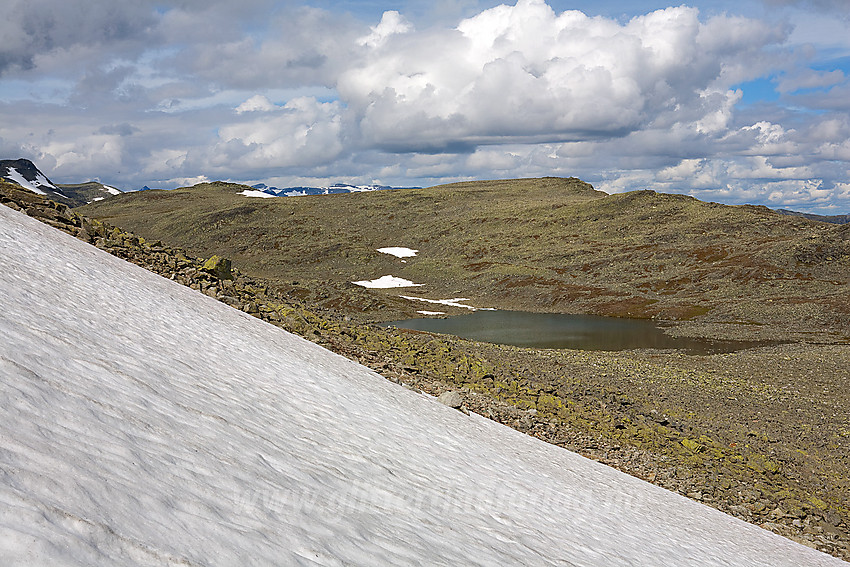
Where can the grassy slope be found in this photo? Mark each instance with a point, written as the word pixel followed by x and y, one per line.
pixel 546 244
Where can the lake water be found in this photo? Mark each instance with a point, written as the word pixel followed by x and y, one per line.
pixel 551 330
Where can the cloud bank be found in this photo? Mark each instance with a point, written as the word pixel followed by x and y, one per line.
pixel 277 92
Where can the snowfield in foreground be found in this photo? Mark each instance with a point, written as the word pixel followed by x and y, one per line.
pixel 143 423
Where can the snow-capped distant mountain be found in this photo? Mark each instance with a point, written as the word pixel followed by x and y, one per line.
pixel 84 193
pixel 23 172
pixel 335 189
pixel 833 219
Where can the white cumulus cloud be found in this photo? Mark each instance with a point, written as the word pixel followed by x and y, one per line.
pixel 392 23
pixel 525 73
pixel 257 103
pixel 304 132
pixel 159 92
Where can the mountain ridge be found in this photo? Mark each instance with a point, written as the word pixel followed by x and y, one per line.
pixel 834 219
pixel 79 194
pixel 25 173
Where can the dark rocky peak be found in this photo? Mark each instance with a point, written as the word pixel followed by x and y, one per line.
pixel 23 172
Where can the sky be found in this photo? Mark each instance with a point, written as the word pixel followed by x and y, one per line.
pixel 743 101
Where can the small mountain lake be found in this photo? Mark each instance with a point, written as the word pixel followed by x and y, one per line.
pixel 553 330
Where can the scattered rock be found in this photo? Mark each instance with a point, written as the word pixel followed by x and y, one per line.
pixel 452 399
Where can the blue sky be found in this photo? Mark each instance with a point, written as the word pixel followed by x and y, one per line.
pixel 737 102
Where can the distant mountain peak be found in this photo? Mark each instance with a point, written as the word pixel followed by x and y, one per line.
pixel 833 219
pixel 23 172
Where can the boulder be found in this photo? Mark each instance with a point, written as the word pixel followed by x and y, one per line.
pixel 218 267
pixel 451 399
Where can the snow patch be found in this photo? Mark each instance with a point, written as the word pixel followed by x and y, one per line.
pixel 431 312
pixel 16 176
pixel 398 251
pixel 112 190
pixel 42 181
pixel 261 194
pixel 456 302
pixel 386 282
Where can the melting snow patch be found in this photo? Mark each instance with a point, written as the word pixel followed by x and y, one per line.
pixel 399 251
pixel 112 190
pixel 431 312
pixel 385 282
pixel 262 194
pixel 16 176
pixel 42 181
pixel 456 302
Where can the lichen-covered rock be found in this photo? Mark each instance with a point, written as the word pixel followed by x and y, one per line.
pixel 761 463
pixel 218 267
pixel 693 446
